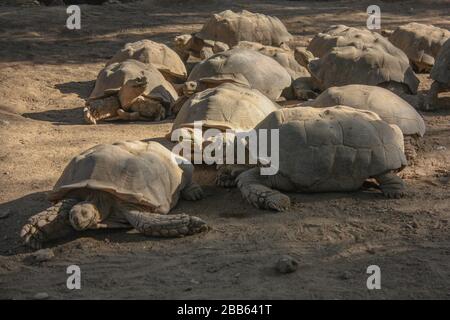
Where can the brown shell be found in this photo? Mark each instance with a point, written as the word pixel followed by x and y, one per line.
pixel 112 78
pixel 228 106
pixel 230 28
pixel 389 106
pixel 334 149
pixel 138 172
pixel 420 42
pixel 161 56
pixel 262 73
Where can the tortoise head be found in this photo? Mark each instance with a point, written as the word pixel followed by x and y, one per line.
pixel 189 88
pixel 84 215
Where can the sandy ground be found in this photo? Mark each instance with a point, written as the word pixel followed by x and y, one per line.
pixel 46 72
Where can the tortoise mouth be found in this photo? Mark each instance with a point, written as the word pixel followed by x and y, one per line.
pixel 83 216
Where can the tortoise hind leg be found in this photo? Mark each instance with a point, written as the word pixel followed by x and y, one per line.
pixel 161 225
pixel 193 192
pixel 254 188
pixel 391 185
pixel 99 109
pixel 50 224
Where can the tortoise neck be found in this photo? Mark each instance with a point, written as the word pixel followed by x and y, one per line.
pixel 104 202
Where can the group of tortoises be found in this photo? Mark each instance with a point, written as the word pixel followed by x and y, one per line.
pixel 355 121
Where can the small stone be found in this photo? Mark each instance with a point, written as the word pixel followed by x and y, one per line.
pixel 4 122
pixel 346 275
pixel 5 214
pixel 441 148
pixel 41 296
pixel 193 281
pixel 43 255
pixel 286 264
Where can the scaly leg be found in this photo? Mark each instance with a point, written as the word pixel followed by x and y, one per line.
pixel 162 225
pixel 227 174
pixel 100 109
pixel 431 102
pixel 192 192
pixel 50 224
pixel 254 189
pixel 391 185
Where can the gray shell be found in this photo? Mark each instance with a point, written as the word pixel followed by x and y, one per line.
pixel 389 106
pixel 262 73
pixel 228 106
pixel 441 69
pixel 159 55
pixel 369 65
pixel 111 79
pixel 230 28
pixel 334 149
pixel 420 42
pixel 143 173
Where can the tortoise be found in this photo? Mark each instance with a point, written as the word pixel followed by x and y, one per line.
pixel 159 55
pixel 420 42
pixel 121 185
pixel 326 150
pixel 440 73
pixel 228 107
pixel 300 86
pixel 389 106
pixel 130 90
pixel 283 55
pixel 369 65
pixel 344 36
pixel 243 66
pixel 228 27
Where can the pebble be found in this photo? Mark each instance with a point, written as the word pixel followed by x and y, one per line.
pixel 5 214
pixel 43 255
pixel 346 275
pixel 286 264
pixel 4 122
pixel 41 296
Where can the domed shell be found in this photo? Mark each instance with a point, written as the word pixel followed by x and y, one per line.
pixel 367 65
pixel 161 56
pixel 336 148
pixel 343 36
pixel 228 106
pixel 420 42
pixel 231 27
pixel 389 106
pixel 262 73
pixel 441 69
pixel 112 78
pixel 284 56
pixel 143 173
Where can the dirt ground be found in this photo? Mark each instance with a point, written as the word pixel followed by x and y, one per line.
pixel 46 72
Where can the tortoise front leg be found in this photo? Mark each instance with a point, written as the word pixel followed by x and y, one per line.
pixel 99 109
pixel 161 225
pixel 47 225
pixel 193 192
pixel 254 188
pixel 391 185
pixel 431 102
pixel 227 174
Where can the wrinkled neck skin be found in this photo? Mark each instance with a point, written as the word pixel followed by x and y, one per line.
pixel 103 201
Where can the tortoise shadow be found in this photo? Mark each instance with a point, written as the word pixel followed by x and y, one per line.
pixel 19 210
pixel 80 88
pixel 72 116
